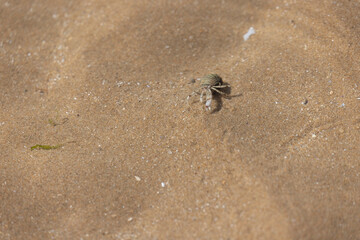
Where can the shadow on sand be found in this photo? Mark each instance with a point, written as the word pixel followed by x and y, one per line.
pixel 217 97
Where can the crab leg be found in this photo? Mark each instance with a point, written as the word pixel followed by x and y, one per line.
pixel 221 86
pixel 201 96
pixel 218 91
pixel 192 94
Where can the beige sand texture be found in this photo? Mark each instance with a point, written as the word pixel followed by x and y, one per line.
pixel 109 79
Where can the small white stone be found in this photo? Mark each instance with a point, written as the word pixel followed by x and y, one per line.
pixel 250 32
pixel 137 178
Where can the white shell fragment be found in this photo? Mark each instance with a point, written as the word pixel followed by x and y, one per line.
pixel 250 32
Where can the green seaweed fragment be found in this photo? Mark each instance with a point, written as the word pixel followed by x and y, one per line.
pixel 46 147
pixel 49 147
pixel 54 123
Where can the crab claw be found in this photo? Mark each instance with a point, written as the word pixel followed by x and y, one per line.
pixel 207 105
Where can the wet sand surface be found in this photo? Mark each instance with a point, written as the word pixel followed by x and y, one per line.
pixel 280 159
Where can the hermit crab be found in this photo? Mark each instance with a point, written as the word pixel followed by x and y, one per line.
pixel 208 84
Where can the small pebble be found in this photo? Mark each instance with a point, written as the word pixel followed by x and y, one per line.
pixel 137 178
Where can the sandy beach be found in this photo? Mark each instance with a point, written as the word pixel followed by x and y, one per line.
pixel 103 85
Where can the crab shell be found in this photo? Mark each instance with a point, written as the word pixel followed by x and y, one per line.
pixel 211 80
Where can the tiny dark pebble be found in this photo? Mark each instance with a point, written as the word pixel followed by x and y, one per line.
pixel 192 80
pixel 305 101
